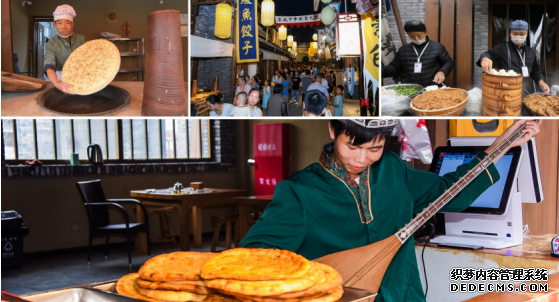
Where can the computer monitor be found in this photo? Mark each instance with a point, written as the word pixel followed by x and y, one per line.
pixel 495 199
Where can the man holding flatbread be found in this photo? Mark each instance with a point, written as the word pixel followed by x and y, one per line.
pixel 515 55
pixel 356 195
pixel 423 61
pixel 59 48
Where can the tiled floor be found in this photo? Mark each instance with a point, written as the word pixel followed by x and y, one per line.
pixel 52 272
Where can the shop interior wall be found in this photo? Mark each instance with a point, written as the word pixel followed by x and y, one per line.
pixel 90 22
pixel 49 206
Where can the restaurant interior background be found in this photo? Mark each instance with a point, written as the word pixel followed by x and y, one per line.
pixel 90 21
pixel 47 198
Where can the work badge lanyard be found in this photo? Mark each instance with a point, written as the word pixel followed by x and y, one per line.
pixel 417 66
pixel 525 72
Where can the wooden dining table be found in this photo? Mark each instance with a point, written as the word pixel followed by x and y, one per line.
pixel 186 204
pixel 248 205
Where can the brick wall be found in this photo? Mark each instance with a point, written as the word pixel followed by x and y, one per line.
pixel 481 36
pixel 210 68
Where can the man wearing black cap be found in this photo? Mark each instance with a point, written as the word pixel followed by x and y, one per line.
pixel 422 61
pixel 515 55
pixel 356 195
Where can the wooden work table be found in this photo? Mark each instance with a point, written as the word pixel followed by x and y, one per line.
pixel 25 103
pixel 533 253
pixel 186 204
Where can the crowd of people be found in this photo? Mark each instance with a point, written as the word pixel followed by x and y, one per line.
pixel 314 86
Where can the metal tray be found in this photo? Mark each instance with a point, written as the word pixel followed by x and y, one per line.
pixel 83 294
pixel 107 292
pixel 421 89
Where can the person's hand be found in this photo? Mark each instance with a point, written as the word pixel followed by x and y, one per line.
pixel 439 77
pixel 544 87
pixel 532 128
pixel 487 65
pixel 64 87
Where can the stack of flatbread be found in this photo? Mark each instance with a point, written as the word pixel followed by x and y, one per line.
pixel 168 277
pixel 266 275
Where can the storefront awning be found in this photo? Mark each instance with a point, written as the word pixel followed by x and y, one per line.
pixel 268 55
pixel 207 48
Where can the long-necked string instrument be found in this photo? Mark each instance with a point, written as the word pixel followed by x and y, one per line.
pixel 365 266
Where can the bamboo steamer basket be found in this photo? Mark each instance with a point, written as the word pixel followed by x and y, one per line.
pixel 455 110
pixel 501 95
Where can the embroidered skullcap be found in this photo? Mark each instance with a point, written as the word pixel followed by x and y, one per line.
pixel 414 25
pixel 519 25
pixel 378 124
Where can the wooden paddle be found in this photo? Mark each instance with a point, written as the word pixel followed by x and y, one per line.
pixel 16 82
pixel 364 267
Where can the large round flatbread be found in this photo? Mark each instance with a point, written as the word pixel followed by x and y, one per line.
pixel 256 265
pixel 170 295
pixel 271 287
pixel 91 67
pixel 267 299
pixel 177 266
pixel 333 295
pixel 126 286
pixel 175 285
pixel 332 279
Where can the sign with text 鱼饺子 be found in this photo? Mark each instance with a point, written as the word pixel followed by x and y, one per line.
pixel 247 31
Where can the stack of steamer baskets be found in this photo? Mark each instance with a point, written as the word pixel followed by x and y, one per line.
pixel 502 95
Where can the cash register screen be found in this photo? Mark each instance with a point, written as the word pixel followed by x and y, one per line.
pixel 493 200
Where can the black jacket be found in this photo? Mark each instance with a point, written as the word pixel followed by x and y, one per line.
pixel 502 60
pixel 434 59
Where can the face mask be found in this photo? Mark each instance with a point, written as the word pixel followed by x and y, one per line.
pixel 518 40
pixel 418 42
pixel 66 36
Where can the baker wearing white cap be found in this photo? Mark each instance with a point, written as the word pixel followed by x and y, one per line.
pixel 59 48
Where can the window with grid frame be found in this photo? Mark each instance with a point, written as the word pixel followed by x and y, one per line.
pixel 138 140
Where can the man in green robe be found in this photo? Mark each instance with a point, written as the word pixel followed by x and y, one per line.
pixel 356 195
pixel 59 48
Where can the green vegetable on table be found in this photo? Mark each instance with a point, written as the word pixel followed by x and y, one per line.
pixel 406 90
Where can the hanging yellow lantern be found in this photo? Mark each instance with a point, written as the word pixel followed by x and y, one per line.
pixel 268 13
pixel 294 45
pixel 314 37
pixel 289 49
pixel 327 15
pixel 282 33
pixel 289 40
pixel 314 45
pixel 223 15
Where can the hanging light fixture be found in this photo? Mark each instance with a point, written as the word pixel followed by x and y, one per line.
pixel 314 45
pixel 268 13
pixel 223 15
pixel 282 33
pixel 294 45
pixel 289 49
pixel 290 41
pixel 327 15
pixel 314 37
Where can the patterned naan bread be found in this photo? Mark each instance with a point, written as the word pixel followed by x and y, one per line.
pixel 91 67
pixel 256 265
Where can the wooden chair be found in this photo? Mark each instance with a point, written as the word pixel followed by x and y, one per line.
pixel 218 222
pixel 167 234
pixel 97 209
